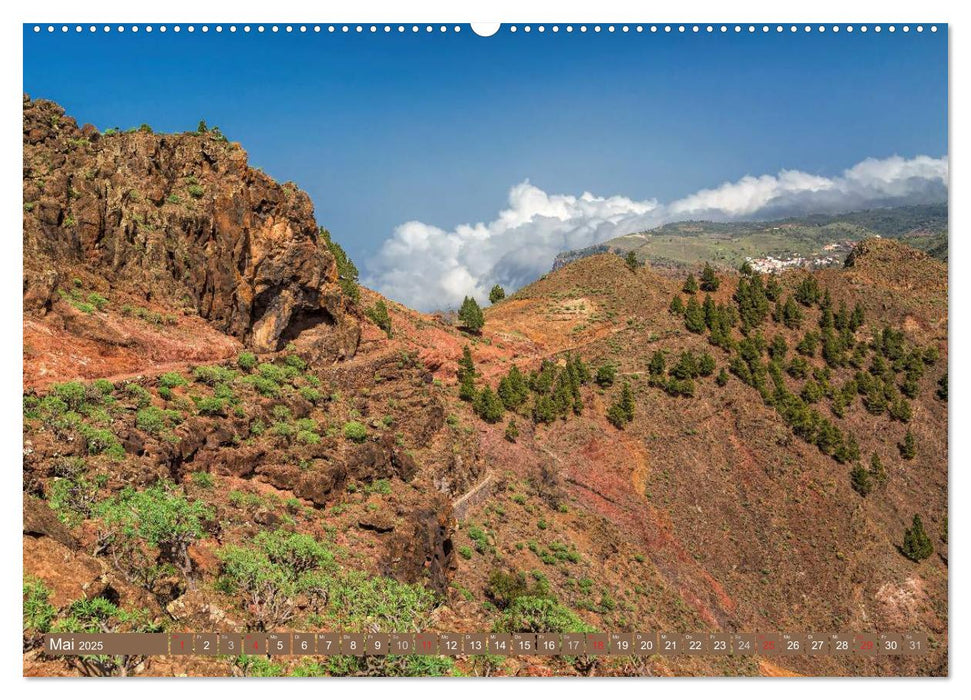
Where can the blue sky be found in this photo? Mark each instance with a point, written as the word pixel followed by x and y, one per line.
pixel 382 129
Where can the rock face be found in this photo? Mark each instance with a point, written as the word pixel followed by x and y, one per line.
pixel 179 219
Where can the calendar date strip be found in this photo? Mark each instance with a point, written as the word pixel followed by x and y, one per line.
pixel 463 644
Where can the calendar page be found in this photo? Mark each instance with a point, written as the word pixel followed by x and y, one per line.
pixel 537 349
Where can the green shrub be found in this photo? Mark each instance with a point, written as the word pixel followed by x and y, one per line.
pixel 99 615
pixel 38 613
pixel 246 361
pixel 272 372
pixel 101 441
pixel 263 386
pixel 295 361
pixel 284 430
pixel 308 437
pixel 203 479
pixel 73 394
pixel 272 571
pixel 170 380
pixel 195 191
pixel 139 394
pixel 213 374
pixel 97 301
pixel 504 588
pixel 155 420
pixel 528 614
pixel 211 406
pixel 355 431
pixel 158 516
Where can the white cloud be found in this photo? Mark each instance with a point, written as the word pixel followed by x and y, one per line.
pixel 429 268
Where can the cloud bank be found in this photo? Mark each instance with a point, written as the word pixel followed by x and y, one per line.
pixel 429 268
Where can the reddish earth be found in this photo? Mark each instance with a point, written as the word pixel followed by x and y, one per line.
pixel 704 513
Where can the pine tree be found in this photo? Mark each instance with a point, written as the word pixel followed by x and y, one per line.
pixel 861 480
pixel 706 365
pixel 773 290
pixel 466 375
pixel 917 545
pixel 544 411
pixel 512 431
pixel 709 280
pixel 722 378
pixel 807 293
pixel 694 316
pixel 488 406
pixel 677 306
pixel 908 448
pixel 690 285
pixel 496 294
pixel 878 473
pixel 656 366
pixel 513 389
pixel 711 312
pixel 857 317
pixel 379 316
pixel 627 401
pixel 631 260
pixel 745 269
pixel 606 374
pixel 778 348
pixel 347 272
pixel 791 314
pixel 470 315
pixel 616 416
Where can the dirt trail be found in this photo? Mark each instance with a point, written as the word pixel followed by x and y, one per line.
pixel 162 368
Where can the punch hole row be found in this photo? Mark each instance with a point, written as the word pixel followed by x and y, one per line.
pixel 513 28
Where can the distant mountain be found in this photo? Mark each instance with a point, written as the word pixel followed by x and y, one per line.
pixel 818 240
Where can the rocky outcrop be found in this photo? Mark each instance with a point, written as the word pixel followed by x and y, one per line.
pixel 179 219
